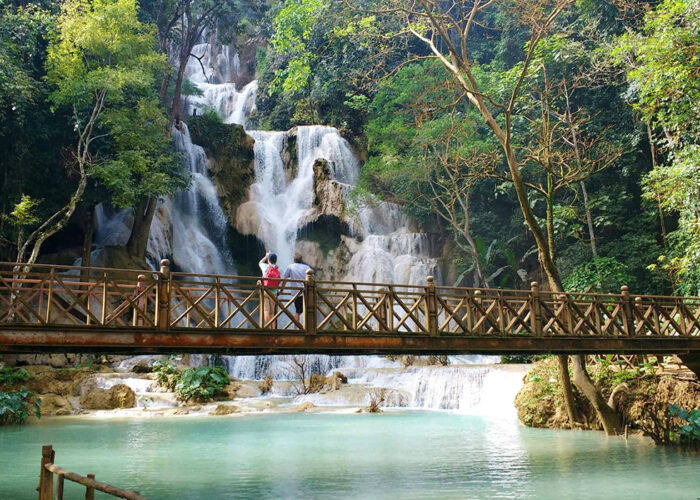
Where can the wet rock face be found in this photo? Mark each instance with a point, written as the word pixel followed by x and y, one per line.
pixel 231 159
pixel 119 396
pixel 54 405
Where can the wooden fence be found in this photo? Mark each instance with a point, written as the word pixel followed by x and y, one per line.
pixel 49 469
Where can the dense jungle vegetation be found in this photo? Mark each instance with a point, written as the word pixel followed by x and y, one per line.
pixel 554 140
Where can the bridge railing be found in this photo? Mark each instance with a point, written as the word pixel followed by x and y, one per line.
pixel 163 300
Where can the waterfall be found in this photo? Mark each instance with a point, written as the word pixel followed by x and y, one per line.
pixel 280 202
pixel 191 228
pixel 199 225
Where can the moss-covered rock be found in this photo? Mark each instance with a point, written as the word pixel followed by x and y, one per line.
pixel 640 394
pixel 231 158
pixel 119 396
pixel 54 405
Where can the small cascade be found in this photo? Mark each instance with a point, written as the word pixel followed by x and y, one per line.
pixel 283 367
pixel 199 225
pixel 280 202
pixel 487 390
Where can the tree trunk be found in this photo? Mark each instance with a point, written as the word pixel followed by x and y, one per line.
pixel 175 110
pixel 143 216
pixel 89 230
pixel 611 420
pixel 567 389
pixel 589 220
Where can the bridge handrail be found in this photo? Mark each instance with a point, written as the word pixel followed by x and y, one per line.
pixel 163 300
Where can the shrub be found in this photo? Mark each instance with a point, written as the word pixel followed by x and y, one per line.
pixel 377 398
pixel 265 385
pixel 166 374
pixel 201 383
pixel 10 376
pixel 16 406
pixel 688 433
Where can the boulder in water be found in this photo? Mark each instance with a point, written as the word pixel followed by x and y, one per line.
pixel 119 396
pixel 224 410
pixel 53 405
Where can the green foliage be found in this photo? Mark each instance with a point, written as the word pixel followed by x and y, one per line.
pixel 24 212
pixel 11 376
pixel 201 383
pixel 688 433
pixel 662 65
pixel 604 275
pixel 167 374
pixel 101 47
pixel 16 406
pixel 523 358
pixel 609 374
pixel 292 32
pixel 144 164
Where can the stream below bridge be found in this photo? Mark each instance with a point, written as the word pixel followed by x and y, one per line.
pixel 402 453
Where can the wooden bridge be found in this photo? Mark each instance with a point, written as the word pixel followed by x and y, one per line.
pixel 72 309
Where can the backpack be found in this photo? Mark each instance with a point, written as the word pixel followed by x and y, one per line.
pixel 272 272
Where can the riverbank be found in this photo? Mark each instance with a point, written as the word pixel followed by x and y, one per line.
pixel 642 394
pixel 127 388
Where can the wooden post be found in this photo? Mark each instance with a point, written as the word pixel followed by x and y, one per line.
pixel 49 297
pixel 103 304
pixel 477 312
pixel 535 309
pixel 164 281
pixel 217 298
pixel 310 303
pixel 59 487
pixel 639 313
pixel 90 491
pixel 45 475
pixel 431 306
pixel 627 317
pixel 137 319
pixel 381 311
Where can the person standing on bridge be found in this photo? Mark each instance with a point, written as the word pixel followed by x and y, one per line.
pixel 296 271
pixel 271 275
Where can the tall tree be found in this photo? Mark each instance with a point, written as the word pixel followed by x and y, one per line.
pixel 447 29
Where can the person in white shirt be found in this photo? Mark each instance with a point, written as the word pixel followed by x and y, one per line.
pixel 296 271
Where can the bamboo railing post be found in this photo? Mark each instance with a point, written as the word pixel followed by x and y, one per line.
pixel 535 309
pixel 89 490
pixel 46 476
pixel 431 306
pixel 103 313
pixel 627 317
pixel 164 295
pixel 310 303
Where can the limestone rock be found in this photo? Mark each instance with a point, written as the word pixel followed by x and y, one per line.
pixel 306 405
pixel 53 405
pixel 329 195
pixel 224 410
pixel 119 396
pixel 246 219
